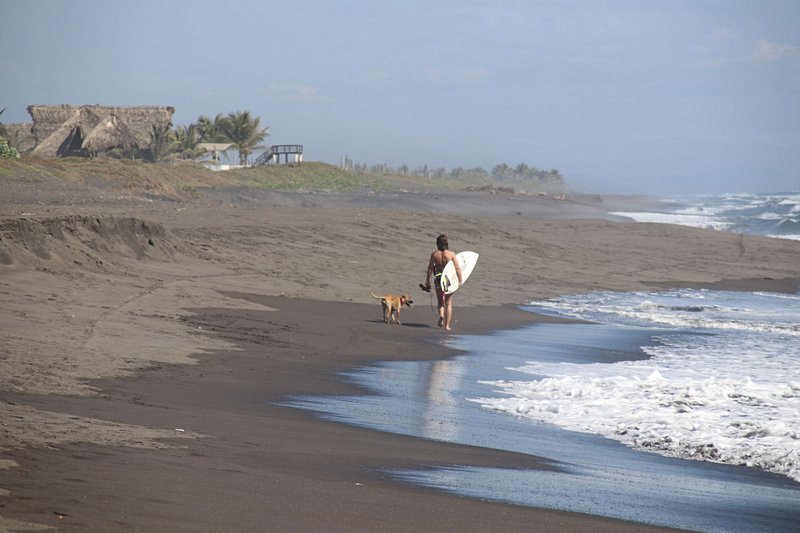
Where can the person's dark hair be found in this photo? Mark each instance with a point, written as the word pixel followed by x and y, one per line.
pixel 441 242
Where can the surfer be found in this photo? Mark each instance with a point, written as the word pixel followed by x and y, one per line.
pixel 439 259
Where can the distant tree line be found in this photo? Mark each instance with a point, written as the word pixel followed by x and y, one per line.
pixel 521 175
pixel 522 172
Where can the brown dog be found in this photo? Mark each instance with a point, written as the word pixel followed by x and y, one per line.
pixel 392 303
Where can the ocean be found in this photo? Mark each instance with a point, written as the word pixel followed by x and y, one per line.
pixel 678 408
pixel 721 383
pixel 772 215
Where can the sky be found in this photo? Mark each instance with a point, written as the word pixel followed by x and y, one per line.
pixel 663 97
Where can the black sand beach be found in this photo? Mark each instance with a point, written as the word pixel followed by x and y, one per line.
pixel 139 378
pixel 261 467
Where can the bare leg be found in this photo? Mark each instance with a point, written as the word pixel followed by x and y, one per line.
pixel 448 310
pixel 440 297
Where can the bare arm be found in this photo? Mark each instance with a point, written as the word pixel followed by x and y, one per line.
pixel 451 256
pixel 429 273
pixel 458 269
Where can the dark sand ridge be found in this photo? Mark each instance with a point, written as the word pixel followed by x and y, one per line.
pixel 142 305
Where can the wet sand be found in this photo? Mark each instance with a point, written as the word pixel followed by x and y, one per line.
pixel 140 356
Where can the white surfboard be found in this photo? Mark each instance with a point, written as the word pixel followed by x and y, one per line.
pixel 467 262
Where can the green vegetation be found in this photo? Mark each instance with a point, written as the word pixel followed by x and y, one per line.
pixel 188 138
pixel 124 173
pixel 163 142
pixel 6 151
pixel 521 178
pixel 176 172
pixel 522 174
pixel 308 176
pixel 3 132
pixel 240 129
pixel 211 131
pixel 176 178
pixel 244 132
pixel 179 178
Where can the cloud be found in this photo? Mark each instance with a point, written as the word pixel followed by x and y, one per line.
pixel 769 51
pixel 295 92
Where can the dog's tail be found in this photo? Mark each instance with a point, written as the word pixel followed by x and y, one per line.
pixel 374 296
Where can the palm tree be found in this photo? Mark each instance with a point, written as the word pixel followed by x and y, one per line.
pixel 162 142
pixel 211 131
pixel 243 132
pixel 187 139
pixel 3 132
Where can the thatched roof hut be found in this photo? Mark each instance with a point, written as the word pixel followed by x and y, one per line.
pixel 110 133
pixel 82 130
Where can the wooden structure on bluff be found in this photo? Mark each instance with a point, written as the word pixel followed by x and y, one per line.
pixel 86 130
pixel 274 153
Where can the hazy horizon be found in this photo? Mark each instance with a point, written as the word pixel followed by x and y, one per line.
pixel 620 97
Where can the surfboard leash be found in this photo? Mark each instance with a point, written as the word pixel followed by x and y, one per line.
pixel 427 288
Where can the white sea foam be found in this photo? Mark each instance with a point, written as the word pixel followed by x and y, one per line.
pixel 722 383
pixel 772 215
pixel 681 219
pixel 790 237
